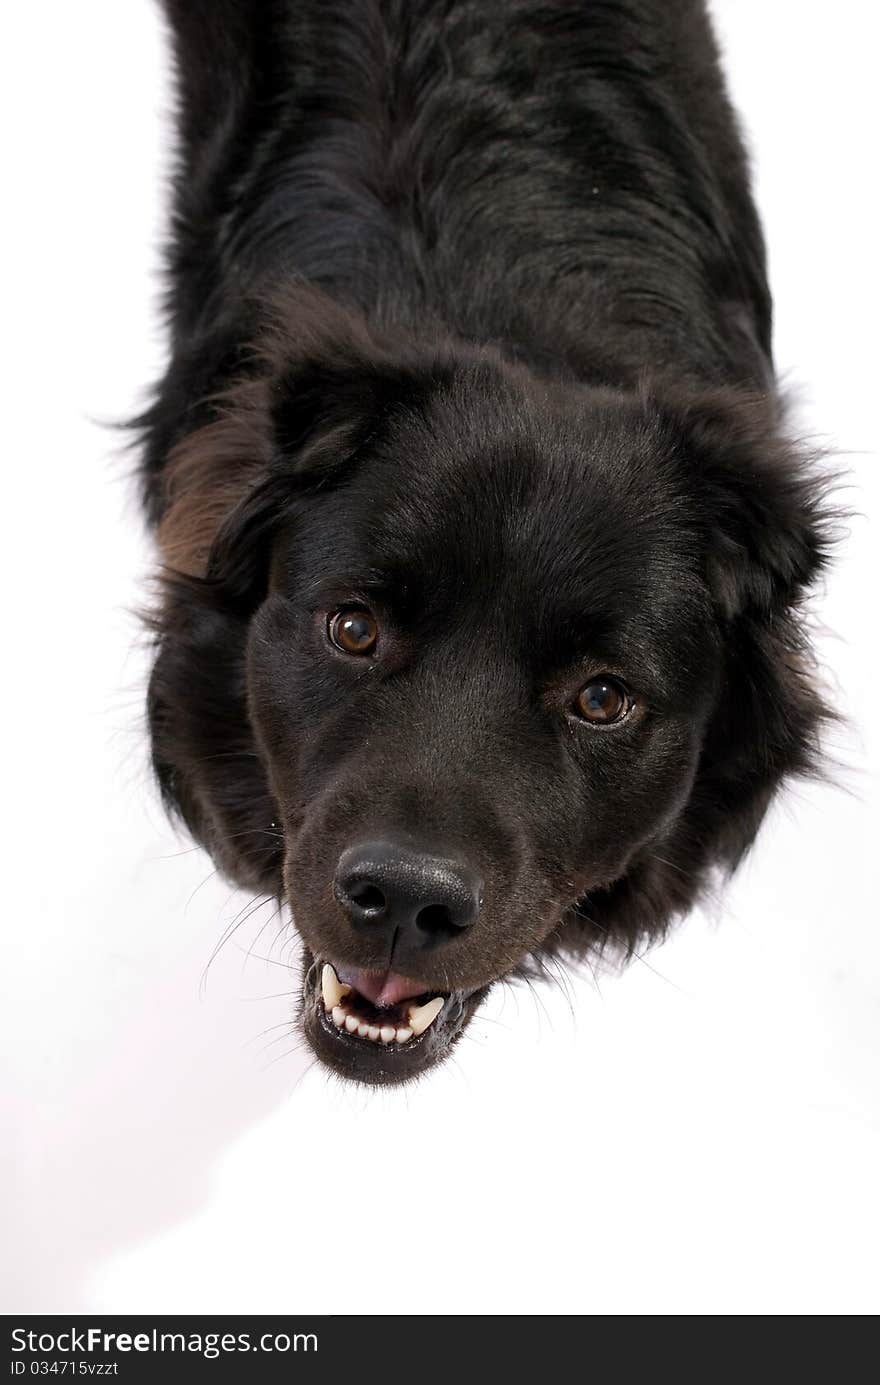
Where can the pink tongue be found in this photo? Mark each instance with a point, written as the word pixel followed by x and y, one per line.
pixel 381 987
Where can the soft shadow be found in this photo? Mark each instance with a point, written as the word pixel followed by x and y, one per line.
pixel 139 1077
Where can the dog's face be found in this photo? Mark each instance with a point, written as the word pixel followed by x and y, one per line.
pixel 480 681
pixel 474 675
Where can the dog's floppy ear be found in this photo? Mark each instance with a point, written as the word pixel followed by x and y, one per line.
pixel 209 473
pixel 292 428
pixel 316 419
pixel 759 499
pixel 322 410
pixel 268 438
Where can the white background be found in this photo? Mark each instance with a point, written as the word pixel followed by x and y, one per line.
pixel 699 1135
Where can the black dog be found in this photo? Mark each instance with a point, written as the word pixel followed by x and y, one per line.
pixel 483 541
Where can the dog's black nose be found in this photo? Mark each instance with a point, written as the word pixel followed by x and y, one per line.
pixel 426 900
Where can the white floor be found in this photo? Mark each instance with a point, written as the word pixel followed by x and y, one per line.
pixel 701 1135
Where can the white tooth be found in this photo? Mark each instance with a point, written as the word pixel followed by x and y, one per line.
pixel 338 1016
pixel 386 1033
pixel 363 1030
pixel 332 988
pixel 373 1032
pixel 351 1024
pixel 403 1035
pixel 420 1016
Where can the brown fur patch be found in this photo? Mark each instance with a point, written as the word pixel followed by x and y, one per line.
pixel 209 473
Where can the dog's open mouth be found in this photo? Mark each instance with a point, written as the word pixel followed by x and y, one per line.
pixel 378 1027
pixel 354 1012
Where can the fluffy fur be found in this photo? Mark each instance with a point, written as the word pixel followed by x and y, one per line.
pixel 470 325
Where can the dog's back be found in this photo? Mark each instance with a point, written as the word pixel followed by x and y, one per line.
pixel 563 180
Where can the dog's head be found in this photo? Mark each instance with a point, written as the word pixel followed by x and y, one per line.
pixel 471 667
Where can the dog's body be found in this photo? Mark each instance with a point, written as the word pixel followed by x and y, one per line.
pixel 469 440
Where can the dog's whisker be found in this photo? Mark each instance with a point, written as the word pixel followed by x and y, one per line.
pixel 552 972
pixel 174 855
pixel 270 961
pixel 281 1057
pixel 273 995
pixel 631 952
pixel 245 913
pixel 688 874
pixel 595 976
pixel 210 876
pixel 275 912
pixel 226 755
pixel 309 1067
pixel 288 1032
pixel 282 1024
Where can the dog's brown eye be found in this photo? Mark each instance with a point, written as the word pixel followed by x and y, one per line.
pixel 603 701
pixel 354 632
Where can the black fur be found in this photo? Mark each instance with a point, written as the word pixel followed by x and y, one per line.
pixel 470 325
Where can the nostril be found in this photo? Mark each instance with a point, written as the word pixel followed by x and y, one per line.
pixel 436 918
pixel 369 898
